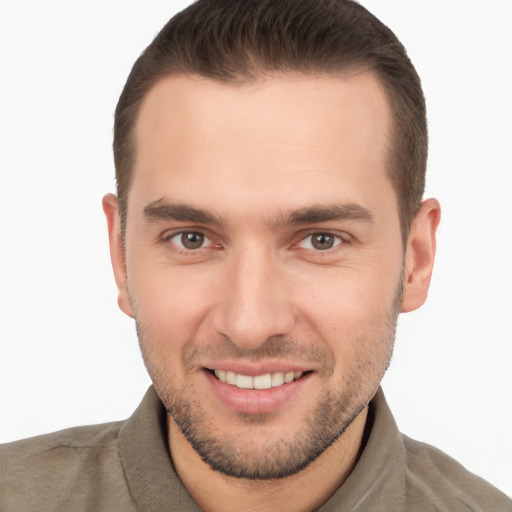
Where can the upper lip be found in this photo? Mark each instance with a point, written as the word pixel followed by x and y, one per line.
pixel 253 369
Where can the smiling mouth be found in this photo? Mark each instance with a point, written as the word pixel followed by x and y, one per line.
pixel 266 381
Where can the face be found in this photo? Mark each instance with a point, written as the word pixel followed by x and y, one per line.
pixel 263 262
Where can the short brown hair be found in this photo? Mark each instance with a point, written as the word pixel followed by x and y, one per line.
pixel 237 41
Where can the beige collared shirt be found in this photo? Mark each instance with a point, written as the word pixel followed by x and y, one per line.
pixel 126 466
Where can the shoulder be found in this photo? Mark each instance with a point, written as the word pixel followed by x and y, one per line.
pixel 49 470
pixel 436 478
pixel 77 440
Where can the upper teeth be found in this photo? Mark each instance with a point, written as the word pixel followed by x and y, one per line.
pixel 269 380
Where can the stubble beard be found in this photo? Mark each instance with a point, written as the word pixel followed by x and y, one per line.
pixel 236 456
pixel 239 457
pixel 336 409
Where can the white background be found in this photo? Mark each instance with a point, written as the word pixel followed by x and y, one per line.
pixel 69 357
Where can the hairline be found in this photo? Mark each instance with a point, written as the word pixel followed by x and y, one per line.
pixel 243 79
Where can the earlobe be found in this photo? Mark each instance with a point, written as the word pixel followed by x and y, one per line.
pixel 420 255
pixel 117 256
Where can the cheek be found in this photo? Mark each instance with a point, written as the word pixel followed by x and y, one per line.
pixel 347 297
pixel 170 302
pixel 359 329
pixel 355 317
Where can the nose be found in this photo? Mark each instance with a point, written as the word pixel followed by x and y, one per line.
pixel 253 301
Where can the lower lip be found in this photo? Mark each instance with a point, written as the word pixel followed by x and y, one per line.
pixel 255 401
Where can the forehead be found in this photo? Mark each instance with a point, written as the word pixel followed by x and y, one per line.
pixel 279 137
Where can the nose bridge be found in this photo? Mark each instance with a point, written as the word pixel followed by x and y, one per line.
pixel 253 305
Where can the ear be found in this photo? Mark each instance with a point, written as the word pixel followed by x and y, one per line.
pixel 419 256
pixel 111 209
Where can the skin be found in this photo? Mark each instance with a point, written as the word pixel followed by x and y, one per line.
pixel 257 295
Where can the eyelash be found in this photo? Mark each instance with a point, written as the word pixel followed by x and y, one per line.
pixel 339 240
pixel 180 248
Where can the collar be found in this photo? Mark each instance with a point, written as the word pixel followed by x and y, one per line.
pixel 144 453
pixel 376 483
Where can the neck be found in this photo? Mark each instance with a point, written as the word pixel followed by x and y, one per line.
pixel 304 491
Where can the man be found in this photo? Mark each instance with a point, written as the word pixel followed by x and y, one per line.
pixel 268 229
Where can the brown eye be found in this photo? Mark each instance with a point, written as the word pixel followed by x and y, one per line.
pixel 321 241
pixel 189 240
pixel 192 240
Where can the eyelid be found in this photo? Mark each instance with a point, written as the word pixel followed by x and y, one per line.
pixel 167 236
pixel 342 236
pixel 209 239
pixel 170 232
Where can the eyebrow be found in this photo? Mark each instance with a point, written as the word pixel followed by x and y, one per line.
pixel 324 213
pixel 161 210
